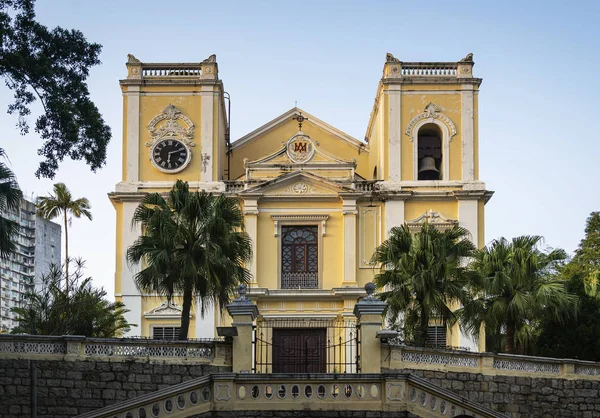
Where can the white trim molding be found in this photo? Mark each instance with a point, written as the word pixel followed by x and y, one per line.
pixel 468 132
pixel 133 133
pixel 299 218
pixel 432 114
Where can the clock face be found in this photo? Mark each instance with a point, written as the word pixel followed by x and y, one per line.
pixel 170 155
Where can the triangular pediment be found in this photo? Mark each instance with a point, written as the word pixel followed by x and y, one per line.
pixel 298 184
pixel 289 116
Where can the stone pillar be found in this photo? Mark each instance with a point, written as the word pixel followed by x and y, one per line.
pixel 369 311
pixel 243 312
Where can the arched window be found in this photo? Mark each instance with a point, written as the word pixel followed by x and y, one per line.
pixel 299 257
pixel 430 152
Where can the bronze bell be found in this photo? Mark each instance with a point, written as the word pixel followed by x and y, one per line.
pixel 428 164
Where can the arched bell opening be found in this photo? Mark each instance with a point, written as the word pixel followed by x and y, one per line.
pixel 430 152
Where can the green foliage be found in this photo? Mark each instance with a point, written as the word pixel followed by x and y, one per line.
pixel 422 276
pixel 10 198
pixel 81 311
pixel 516 286
pixel 587 256
pixel 578 338
pixel 52 65
pixel 61 203
pixel 193 245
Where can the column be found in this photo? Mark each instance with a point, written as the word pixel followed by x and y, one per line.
pixel 251 223
pixel 349 213
pixel 133 134
pixel 243 313
pixel 369 311
pixel 394 215
pixel 468 218
pixel 395 133
pixel 130 294
pixel 467 128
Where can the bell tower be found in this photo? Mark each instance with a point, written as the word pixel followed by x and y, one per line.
pixel 174 127
pixel 424 142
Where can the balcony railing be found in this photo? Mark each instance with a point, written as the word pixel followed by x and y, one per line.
pixel 300 280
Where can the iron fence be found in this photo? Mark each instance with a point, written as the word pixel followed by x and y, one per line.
pixel 306 346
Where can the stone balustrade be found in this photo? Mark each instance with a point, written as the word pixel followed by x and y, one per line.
pixel 402 357
pixel 220 395
pixel 71 348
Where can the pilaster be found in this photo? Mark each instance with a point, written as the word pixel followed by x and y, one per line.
pixel 467 128
pixel 468 217
pixel 349 212
pixel 394 214
pixel 394 132
pixel 207 132
pixel 133 134
pixel 251 223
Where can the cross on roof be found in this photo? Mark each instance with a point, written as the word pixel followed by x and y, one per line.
pixel 300 118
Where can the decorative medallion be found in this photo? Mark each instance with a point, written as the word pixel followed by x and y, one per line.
pixel 300 188
pixel 300 148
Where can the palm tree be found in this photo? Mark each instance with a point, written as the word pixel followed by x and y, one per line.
pixel 422 275
pixel 10 198
pixel 62 203
pixel 194 244
pixel 516 286
pixel 84 310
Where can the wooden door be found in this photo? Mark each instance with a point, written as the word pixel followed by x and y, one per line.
pixel 299 350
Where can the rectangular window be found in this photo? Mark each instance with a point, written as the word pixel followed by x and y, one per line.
pixel 300 257
pixel 436 336
pixel 165 333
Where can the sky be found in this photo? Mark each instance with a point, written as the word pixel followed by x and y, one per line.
pixel 538 103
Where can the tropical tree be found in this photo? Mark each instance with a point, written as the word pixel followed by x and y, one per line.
pixel 51 66
pixel 61 203
pixel 194 244
pixel 10 199
pixel 578 337
pixel 423 275
pixel 83 310
pixel 516 286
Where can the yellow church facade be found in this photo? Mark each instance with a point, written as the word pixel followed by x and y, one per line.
pixel 316 201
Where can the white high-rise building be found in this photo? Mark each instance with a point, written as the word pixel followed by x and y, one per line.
pixel 38 245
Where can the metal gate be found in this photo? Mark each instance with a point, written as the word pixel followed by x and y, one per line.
pixel 305 346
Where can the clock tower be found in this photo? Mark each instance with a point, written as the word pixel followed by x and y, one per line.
pixel 174 127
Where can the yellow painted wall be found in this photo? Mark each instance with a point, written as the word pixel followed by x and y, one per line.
pixel 276 138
